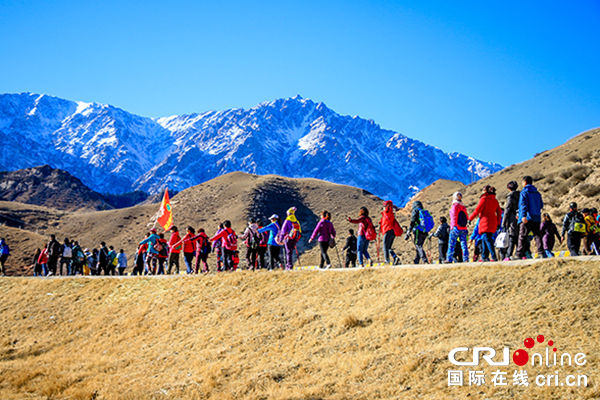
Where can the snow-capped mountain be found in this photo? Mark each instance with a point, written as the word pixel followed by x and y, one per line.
pixel 114 151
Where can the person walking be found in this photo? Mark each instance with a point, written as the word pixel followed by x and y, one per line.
pixel 510 222
pixel 218 250
pixel 351 248
pixel 252 240
pixel 122 262
pixel 418 226
pixel 112 261
pixel 202 251
pixel 66 254
pixel 274 248
pixel 103 259
pixel 189 249
pixel 590 240
pixel 154 248
pixel 4 254
pixel 458 228
pixel 366 233
pixel 228 240
pixel 174 250
pixel 43 260
pixel 548 231
pixel 289 235
pixel 574 228
pixel 36 267
pixel 325 232
pixel 163 254
pixel 443 236
pixel 263 246
pixel 490 216
pixel 53 255
pixel 140 258
pixel 78 259
pixel 389 228
pixel 530 212
pixel 93 262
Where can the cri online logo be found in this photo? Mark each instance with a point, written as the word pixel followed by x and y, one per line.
pixel 520 357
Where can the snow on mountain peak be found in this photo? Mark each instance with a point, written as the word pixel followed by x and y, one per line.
pixel 114 151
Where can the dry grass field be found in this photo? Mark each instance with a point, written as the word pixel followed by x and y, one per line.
pixel 361 334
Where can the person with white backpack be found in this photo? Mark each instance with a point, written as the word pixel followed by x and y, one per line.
pixel 66 256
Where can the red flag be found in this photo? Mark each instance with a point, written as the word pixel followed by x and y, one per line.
pixel 165 216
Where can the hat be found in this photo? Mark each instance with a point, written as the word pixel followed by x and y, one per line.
pixel 86 251
pixel 573 205
pixel 512 185
pixel 274 216
pixel 455 195
pixel 292 210
pixel 585 211
pixel 388 203
pixel 153 230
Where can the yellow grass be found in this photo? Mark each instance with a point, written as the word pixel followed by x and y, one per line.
pixel 364 334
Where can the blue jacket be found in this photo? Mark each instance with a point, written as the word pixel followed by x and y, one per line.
pixel 4 250
pixel 273 229
pixel 151 240
pixel 475 236
pixel 530 204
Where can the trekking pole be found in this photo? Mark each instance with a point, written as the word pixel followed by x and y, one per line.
pixel 299 263
pixel 338 254
pixel 378 247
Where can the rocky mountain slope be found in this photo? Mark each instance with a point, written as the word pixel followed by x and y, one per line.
pixel 46 186
pixel 113 151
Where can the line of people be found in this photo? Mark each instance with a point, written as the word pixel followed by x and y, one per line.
pixel 497 234
pixel 69 258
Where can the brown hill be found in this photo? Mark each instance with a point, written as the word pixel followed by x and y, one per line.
pixel 236 196
pixel 566 173
pixel 49 187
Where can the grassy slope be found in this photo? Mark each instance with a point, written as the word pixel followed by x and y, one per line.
pixel 363 334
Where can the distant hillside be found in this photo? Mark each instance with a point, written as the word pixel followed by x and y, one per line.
pixel 49 187
pixel 236 197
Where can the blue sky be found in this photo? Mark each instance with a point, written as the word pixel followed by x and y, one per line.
pixel 499 81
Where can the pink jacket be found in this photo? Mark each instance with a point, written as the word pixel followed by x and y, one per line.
pixel 454 214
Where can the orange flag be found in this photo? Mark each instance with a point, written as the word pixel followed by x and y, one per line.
pixel 165 216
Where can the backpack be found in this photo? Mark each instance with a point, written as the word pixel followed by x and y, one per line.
pixel 163 252
pixel 425 221
pixel 294 233
pixel 158 246
pixel 370 233
pixel 462 220
pixel 205 246
pixel 115 261
pixel 79 256
pixel 231 240
pixel 578 223
pixel 67 252
pixel 254 240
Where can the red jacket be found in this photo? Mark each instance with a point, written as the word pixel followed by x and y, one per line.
pixel 489 212
pixel 388 220
pixel 223 237
pixel 363 222
pixel 43 258
pixel 188 244
pixel 174 239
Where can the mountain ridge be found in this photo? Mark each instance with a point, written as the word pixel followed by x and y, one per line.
pixel 113 151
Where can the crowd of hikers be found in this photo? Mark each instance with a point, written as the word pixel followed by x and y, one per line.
pixel 497 233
